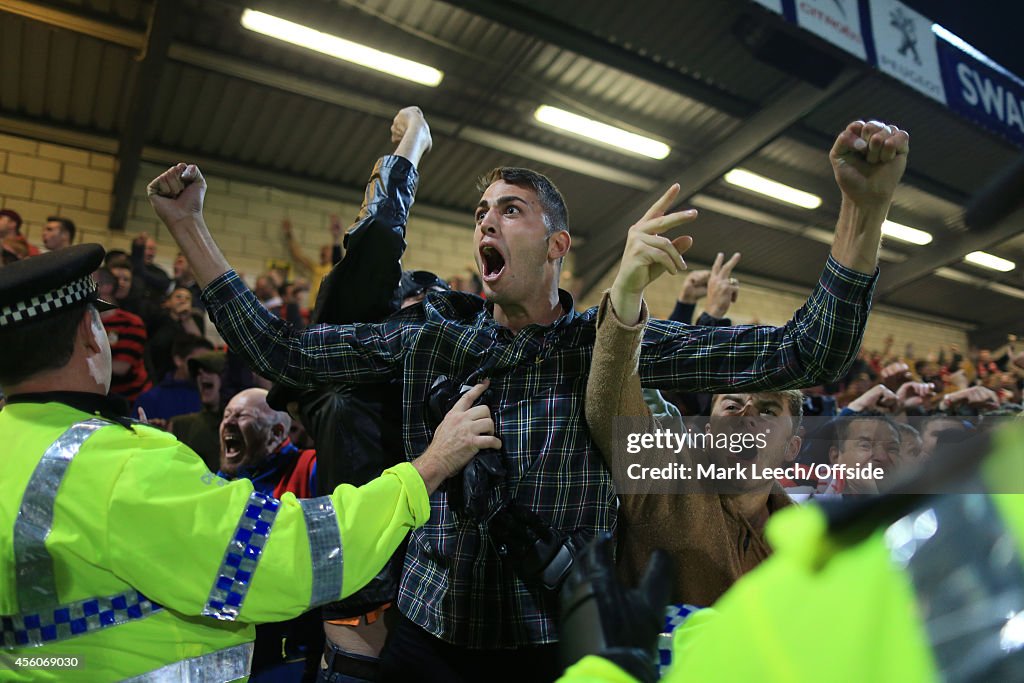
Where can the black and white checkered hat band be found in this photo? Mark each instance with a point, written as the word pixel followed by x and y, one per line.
pixel 71 293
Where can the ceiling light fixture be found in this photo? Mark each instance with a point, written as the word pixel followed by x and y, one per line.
pixel 990 261
pixel 784 193
pixel 905 233
pixel 328 44
pixel 601 132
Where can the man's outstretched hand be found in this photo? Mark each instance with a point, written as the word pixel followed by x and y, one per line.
pixel 648 255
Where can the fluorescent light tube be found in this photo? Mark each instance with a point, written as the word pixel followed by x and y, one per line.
pixel 770 188
pixel 310 38
pixel 601 132
pixel 990 261
pixel 905 233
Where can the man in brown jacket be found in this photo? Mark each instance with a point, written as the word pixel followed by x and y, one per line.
pixel 713 538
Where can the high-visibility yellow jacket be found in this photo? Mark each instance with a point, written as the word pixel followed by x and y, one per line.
pixel 939 590
pixel 148 562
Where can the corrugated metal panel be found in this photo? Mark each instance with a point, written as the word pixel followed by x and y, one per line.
pixel 939 296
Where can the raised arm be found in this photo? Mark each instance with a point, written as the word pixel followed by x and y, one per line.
pixel 177 196
pixel 375 241
pixel 868 160
pixel 270 346
pixel 822 339
pixel 301 260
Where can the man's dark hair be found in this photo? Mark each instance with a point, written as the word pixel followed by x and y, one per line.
pixel 185 344
pixel 66 224
pixel 103 276
pixel 14 216
pixel 118 261
pixel 556 215
pixel 45 344
pixel 842 425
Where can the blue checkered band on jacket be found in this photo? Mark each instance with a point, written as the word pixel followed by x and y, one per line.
pixel 675 615
pixel 242 557
pixel 74 619
pixel 71 293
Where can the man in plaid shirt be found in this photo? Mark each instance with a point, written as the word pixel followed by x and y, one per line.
pixel 468 601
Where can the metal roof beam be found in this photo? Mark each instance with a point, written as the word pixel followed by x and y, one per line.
pixel 140 109
pixel 556 32
pixel 598 255
pixel 71 21
pixel 946 252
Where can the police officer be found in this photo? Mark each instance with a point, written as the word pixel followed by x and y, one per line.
pixel 897 587
pixel 119 552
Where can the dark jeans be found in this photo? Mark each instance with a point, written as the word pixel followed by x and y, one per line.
pixel 412 654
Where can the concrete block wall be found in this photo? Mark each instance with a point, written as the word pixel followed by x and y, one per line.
pixel 39 179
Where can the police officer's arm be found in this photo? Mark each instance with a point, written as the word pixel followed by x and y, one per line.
pixel 202 546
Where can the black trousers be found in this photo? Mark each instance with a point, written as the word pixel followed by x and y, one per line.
pixel 412 654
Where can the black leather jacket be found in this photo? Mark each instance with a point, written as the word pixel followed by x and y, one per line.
pixel 356 427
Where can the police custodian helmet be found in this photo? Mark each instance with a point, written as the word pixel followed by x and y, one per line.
pixel 37 287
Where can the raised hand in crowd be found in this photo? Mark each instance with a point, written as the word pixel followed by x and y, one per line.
pixel 878 398
pixel 914 395
pixel 177 197
pixel 411 133
pixel 717 284
pixel 464 431
pixel 722 287
pixel 976 398
pixel 958 379
pixel 695 287
pixel 868 160
pixel 648 254
pixel 895 375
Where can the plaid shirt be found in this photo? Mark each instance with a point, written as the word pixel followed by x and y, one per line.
pixel 455 585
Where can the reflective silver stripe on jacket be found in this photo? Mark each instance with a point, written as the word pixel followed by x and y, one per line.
pixel 224 665
pixel 324 549
pixel 34 581
pixel 31 629
pixel 966 570
pixel 242 557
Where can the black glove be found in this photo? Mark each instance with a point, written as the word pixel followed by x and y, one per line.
pixel 602 617
pixel 536 551
pixel 469 490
